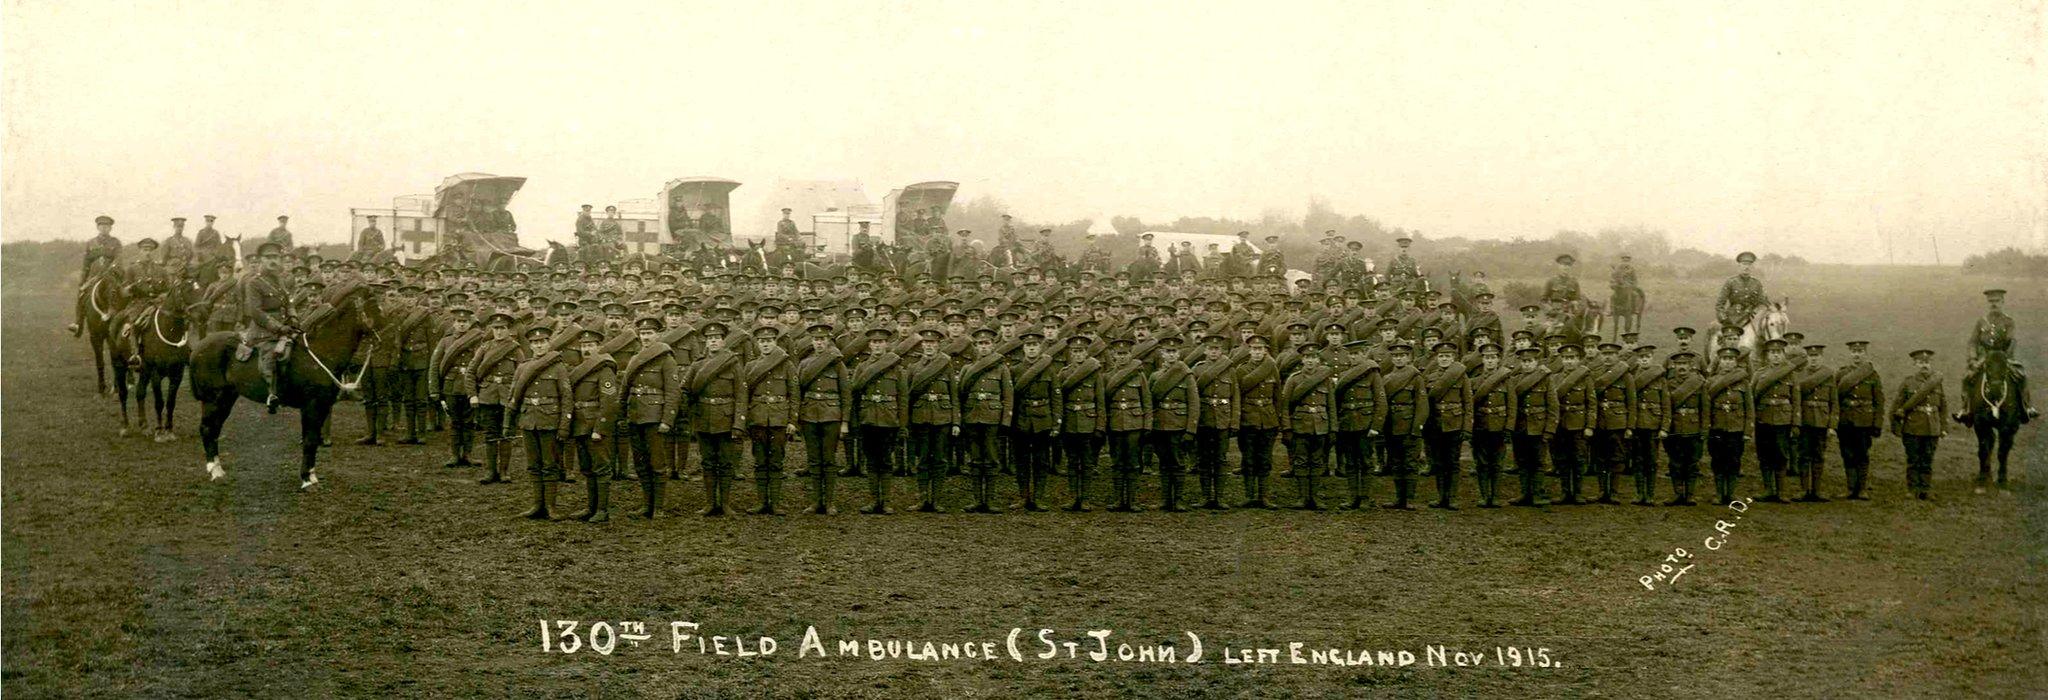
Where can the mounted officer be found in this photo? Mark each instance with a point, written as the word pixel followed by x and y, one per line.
pixel 1742 295
pixel 267 323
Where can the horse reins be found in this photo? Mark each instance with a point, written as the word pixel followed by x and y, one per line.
pixel 1982 387
pixel 156 320
pixel 344 386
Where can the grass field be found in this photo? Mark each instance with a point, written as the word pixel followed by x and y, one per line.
pixel 128 573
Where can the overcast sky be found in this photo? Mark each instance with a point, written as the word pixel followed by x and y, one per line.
pixel 1819 129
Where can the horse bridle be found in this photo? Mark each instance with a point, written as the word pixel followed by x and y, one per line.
pixel 362 318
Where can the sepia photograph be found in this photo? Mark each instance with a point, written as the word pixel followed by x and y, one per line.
pixel 808 349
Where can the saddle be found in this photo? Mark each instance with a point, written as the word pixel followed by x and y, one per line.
pixel 244 351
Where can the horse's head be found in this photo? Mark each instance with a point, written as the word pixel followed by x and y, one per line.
pixel 1775 320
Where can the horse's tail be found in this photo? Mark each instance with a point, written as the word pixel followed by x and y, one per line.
pixel 211 357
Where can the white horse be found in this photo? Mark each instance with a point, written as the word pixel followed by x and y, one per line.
pixel 1768 323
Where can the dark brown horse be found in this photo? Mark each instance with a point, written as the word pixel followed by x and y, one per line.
pixel 162 336
pixel 98 301
pixel 312 378
pixel 1994 406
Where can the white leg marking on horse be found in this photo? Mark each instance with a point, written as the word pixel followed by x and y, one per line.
pixel 214 472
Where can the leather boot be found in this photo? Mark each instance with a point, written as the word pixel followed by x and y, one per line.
pixel 761 491
pixel 824 478
pixel 540 501
pixel 878 492
pixel 371 416
pixel 774 493
pixel 1489 490
pixel 602 488
pixel 1403 488
pixel 1172 496
pixel 1038 481
pixel 1308 489
pixel 1077 482
pixel 413 421
pixel 1265 493
pixel 1607 488
pixel 491 463
pixel 714 496
pixel 589 500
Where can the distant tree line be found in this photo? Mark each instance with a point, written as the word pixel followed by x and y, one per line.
pixel 2007 262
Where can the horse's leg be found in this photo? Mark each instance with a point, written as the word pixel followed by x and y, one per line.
pixel 312 419
pixel 176 378
pixel 99 362
pixel 213 416
pixel 1987 438
pixel 158 384
pixel 2006 434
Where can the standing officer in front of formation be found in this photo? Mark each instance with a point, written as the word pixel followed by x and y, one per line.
pixel 492 371
pixel 1614 414
pixel 1862 413
pixel 1258 385
pixel 1731 418
pixel 594 414
pixel 1535 422
pixel 1493 420
pixel 986 396
pixel 1649 421
pixel 1035 425
pixel 540 386
pixel 1450 421
pixel 1127 394
pixel 1407 392
pixel 1308 404
pixel 715 400
pixel 1361 413
pixel 1568 448
pixel 934 416
pixel 654 388
pixel 771 393
pixel 1690 409
pixel 1919 419
pixel 1819 411
pixel 821 413
pixel 1776 394
pixel 882 402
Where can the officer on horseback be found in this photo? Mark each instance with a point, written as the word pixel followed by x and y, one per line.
pixel 102 247
pixel 1992 332
pixel 267 324
pixel 1741 296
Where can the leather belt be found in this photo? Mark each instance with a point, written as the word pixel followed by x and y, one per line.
pixel 880 398
pixel 935 398
pixel 1612 402
pixel 1685 411
pixel 1492 410
pixel 983 396
pixel 539 401
pixel 587 404
pixel 1776 401
pixel 1856 402
pixel 496 379
pixel 644 391
pixel 1173 404
pixel 1310 409
pixel 1080 406
pixel 820 395
pixel 1217 402
pixel 715 400
pixel 1125 404
pixel 1924 409
pixel 1034 403
pixel 761 399
pixel 1258 402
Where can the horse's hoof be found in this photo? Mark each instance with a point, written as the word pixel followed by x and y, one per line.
pixel 124 431
pixel 214 472
pixel 311 481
